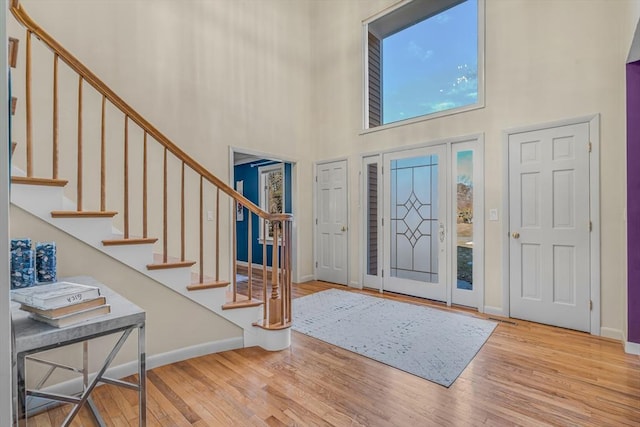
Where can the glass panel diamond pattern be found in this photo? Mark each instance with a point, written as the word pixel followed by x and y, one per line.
pixel 414 252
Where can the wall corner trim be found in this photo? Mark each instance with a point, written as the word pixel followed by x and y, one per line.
pixel 632 348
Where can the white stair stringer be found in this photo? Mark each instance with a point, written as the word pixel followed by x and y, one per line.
pixel 41 200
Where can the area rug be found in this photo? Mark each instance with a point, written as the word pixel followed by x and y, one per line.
pixel 433 344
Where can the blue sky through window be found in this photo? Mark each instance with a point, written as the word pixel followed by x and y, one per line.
pixel 465 167
pixel 431 66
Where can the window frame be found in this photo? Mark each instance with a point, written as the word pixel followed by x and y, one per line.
pixel 401 16
pixel 263 196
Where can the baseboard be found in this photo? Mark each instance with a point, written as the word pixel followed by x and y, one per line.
pixel 632 348
pixel 493 311
pixel 355 284
pixel 612 333
pixel 254 265
pixel 307 278
pixel 74 386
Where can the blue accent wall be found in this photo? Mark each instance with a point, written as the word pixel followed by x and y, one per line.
pixel 249 175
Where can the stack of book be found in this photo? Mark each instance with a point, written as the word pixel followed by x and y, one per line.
pixel 62 304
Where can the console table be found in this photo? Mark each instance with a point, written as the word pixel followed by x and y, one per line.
pixel 30 337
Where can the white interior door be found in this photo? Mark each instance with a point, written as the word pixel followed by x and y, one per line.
pixel 415 222
pixel 549 225
pixel 332 222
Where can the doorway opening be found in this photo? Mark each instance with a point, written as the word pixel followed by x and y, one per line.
pixel 268 182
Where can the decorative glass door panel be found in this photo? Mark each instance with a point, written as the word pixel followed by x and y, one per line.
pixel 415 237
pixel 372 223
pixel 463 292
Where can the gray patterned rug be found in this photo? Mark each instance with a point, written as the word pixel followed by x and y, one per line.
pixel 427 342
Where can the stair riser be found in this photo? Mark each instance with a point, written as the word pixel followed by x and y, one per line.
pixel 135 256
pixel 244 316
pixel 38 200
pixel 272 340
pixel 89 230
pixel 175 278
pixel 208 298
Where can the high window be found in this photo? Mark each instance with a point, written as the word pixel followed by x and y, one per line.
pixel 424 59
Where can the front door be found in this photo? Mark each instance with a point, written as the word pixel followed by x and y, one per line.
pixel 332 221
pixel 415 212
pixel 549 225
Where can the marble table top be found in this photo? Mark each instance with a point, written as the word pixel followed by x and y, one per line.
pixel 31 335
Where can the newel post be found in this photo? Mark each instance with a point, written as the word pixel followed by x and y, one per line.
pixel 275 311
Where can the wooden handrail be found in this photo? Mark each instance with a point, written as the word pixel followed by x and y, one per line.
pixel 89 77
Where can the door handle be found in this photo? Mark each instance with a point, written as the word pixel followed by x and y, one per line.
pixel 344 229
pixel 515 235
pixel 442 233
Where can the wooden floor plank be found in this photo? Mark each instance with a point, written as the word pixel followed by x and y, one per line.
pixel 526 374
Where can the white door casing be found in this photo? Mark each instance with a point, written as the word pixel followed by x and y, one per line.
pixel 415 257
pixel 332 222
pixel 549 226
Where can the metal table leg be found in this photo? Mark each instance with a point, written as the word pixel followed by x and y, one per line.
pixel 142 377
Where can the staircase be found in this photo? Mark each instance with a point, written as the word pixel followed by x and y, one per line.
pixel 137 197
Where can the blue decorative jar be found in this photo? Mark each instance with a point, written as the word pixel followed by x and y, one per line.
pixel 22 264
pixel 45 262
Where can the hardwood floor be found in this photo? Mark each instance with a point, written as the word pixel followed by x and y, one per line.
pixel 526 374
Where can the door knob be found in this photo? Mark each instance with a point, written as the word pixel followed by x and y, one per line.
pixel 344 228
pixel 515 235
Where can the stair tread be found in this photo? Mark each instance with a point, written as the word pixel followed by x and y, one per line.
pixel 83 214
pixel 207 285
pixel 30 180
pixel 166 265
pixel 172 262
pixel 241 303
pixel 276 327
pixel 116 241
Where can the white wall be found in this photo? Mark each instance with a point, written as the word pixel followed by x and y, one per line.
pixel 208 74
pixel 545 61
